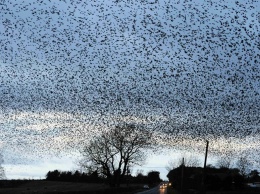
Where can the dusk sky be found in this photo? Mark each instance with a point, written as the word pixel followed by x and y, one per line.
pixel 189 70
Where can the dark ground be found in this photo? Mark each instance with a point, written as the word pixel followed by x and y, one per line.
pixel 53 187
pixel 243 191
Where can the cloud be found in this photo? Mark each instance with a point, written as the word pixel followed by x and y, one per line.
pixel 40 169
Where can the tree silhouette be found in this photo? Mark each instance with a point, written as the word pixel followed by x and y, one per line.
pixel 140 177
pixel 224 162
pixel 114 151
pixel 154 177
pixel 53 175
pixel 243 165
pixel 254 176
pixel 189 161
pixel 216 178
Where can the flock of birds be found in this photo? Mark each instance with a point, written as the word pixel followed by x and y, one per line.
pixel 189 70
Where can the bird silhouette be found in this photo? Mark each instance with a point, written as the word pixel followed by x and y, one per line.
pixel 72 69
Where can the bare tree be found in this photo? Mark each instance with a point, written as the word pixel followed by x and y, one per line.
pixel 114 151
pixel 140 172
pixel 243 165
pixel 224 162
pixel 192 161
pixel 189 161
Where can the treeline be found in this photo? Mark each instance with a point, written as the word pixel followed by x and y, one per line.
pixel 76 176
pixel 152 177
pixel 190 178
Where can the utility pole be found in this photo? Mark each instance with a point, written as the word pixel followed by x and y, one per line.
pixel 204 169
pixel 182 175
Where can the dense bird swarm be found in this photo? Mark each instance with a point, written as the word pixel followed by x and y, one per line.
pixel 188 70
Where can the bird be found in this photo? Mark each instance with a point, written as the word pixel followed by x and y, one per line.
pixel 71 69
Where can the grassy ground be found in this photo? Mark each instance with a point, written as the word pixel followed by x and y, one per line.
pixel 52 187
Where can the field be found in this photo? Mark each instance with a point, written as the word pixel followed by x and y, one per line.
pixel 52 187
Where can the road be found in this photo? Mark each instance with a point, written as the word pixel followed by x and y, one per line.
pixel 155 190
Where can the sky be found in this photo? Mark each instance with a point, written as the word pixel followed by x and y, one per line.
pixel 71 69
